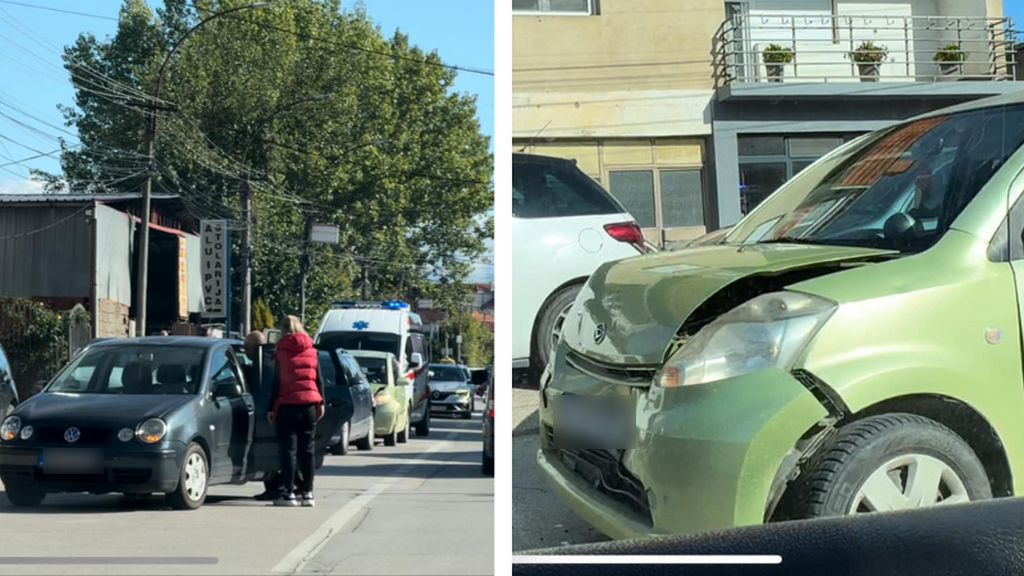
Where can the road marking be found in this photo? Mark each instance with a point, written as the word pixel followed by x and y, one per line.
pixel 297 559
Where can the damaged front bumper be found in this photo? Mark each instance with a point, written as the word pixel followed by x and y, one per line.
pixel 705 458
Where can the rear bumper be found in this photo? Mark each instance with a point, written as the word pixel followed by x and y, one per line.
pixel 123 471
pixel 705 456
pixel 385 418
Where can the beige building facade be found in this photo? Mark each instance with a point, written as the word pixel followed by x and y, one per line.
pixel 669 105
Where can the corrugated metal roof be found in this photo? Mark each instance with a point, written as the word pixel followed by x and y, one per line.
pixel 76 198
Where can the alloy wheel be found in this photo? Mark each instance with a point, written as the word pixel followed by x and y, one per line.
pixel 556 330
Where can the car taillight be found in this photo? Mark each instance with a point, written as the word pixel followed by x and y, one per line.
pixel 490 403
pixel 628 232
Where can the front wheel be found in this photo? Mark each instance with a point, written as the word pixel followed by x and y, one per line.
pixel 423 427
pixel 192 480
pixel 890 462
pixel 341 448
pixel 23 495
pixel 488 464
pixel 392 438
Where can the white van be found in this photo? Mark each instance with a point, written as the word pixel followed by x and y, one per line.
pixel 385 327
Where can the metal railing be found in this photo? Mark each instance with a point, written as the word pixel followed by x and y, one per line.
pixel 827 48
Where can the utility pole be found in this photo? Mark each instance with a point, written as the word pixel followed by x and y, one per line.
pixel 246 256
pixel 366 279
pixel 304 263
pixel 150 135
pixel 458 339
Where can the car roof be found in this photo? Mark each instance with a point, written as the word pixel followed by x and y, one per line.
pixel 370 353
pixel 377 319
pixel 196 341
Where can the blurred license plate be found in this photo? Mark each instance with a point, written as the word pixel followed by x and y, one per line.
pixel 595 422
pixel 71 461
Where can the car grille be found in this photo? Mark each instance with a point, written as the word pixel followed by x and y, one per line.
pixel 628 375
pixel 90 436
pixel 439 395
pixel 603 470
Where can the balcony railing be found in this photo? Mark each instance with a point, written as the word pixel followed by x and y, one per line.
pixel 818 48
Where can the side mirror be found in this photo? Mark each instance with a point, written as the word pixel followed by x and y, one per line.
pixel 403 381
pixel 480 377
pixel 480 390
pixel 227 390
pixel 416 361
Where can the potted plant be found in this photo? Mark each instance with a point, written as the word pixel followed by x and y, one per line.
pixel 950 59
pixel 869 57
pixel 775 58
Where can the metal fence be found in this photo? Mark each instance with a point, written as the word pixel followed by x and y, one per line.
pixel 40 341
pixel 830 48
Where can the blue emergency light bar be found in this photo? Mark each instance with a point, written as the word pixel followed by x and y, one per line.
pixel 387 305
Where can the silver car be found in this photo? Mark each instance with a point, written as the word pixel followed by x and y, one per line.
pixel 451 391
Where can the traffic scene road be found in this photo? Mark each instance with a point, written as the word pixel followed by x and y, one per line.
pixel 418 508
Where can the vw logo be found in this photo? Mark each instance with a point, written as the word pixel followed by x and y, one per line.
pixel 436 394
pixel 72 434
pixel 599 333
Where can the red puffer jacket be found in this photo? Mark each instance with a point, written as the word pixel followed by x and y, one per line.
pixel 297 365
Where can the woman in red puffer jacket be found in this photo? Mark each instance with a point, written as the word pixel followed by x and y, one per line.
pixel 296 405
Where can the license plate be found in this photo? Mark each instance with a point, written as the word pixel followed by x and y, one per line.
pixel 71 461
pixel 595 422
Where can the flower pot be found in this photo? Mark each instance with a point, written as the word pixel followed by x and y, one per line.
pixel 775 71
pixel 950 70
pixel 869 71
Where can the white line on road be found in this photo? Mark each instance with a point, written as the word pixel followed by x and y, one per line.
pixel 297 559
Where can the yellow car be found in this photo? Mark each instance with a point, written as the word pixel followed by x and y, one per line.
pixel 391 393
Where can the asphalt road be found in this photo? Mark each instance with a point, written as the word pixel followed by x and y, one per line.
pixel 417 508
pixel 539 518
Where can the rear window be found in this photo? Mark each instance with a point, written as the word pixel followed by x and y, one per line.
pixel 552 188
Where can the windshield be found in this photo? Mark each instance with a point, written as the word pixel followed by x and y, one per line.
pixel 375 369
pixel 897 189
pixel 133 370
pixel 377 341
pixel 447 373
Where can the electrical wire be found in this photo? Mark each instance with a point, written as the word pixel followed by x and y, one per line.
pixel 61 10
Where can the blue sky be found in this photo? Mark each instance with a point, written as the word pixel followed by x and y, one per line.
pixel 1015 9
pixel 32 77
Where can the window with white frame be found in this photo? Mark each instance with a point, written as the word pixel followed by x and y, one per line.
pixel 554 7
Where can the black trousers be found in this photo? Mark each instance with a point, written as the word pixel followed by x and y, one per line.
pixel 296 428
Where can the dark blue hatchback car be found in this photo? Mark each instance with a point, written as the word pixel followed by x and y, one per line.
pixel 142 415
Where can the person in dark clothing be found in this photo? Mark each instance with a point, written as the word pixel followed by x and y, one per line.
pixel 296 405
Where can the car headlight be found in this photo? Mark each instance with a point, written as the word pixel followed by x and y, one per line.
pixel 383 397
pixel 10 428
pixel 770 330
pixel 151 431
pixel 462 392
pixel 27 432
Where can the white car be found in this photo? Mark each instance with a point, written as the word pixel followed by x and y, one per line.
pixel 564 225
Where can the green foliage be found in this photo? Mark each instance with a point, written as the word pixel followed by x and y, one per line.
pixel 777 54
pixel 392 153
pixel 869 53
pixel 477 340
pixel 950 53
pixel 261 315
pixel 33 336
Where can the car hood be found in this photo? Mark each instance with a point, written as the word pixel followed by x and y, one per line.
pixel 444 386
pixel 642 302
pixel 97 410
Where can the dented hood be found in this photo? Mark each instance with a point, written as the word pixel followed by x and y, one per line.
pixel 642 302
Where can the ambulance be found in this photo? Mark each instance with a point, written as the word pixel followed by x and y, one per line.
pixel 385 327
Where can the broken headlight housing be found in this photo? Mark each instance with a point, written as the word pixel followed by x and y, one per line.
pixel 770 330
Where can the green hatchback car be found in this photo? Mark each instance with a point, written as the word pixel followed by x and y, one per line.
pixel 391 395
pixel 854 345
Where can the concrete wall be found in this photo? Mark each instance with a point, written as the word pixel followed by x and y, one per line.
pixel 638 68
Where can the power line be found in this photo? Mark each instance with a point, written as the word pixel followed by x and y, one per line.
pixel 51 9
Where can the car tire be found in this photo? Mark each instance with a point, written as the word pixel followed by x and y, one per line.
pixel 857 470
pixel 487 468
pixel 341 448
pixel 403 436
pixel 366 443
pixel 392 438
pixel 423 426
pixel 550 320
pixel 468 414
pixel 23 495
pixel 193 480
